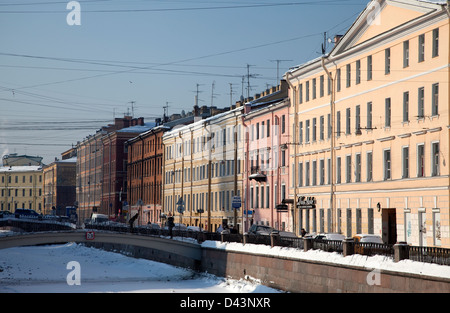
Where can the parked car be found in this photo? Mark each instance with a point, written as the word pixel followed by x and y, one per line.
pixel 26 213
pixel 330 236
pixel 367 238
pixel 267 230
pixel 195 229
pixel 4 214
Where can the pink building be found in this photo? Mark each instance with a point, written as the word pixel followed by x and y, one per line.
pixel 266 180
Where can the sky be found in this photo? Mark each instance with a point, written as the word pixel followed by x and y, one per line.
pixel 60 83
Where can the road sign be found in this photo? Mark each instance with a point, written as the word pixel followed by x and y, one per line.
pixel 90 235
pixel 236 203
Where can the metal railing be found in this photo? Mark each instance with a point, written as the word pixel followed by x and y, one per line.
pixel 430 255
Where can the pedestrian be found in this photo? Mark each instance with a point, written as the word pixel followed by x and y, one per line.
pixel 131 221
pixel 170 224
pixel 303 232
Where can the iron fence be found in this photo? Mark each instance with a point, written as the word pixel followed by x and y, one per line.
pixel 370 249
pixel 430 255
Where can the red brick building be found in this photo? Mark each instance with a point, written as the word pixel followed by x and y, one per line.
pixel 145 160
pixel 114 162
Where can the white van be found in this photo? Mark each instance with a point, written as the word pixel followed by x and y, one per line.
pixel 99 218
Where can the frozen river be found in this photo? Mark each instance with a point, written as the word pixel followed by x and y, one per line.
pixel 73 268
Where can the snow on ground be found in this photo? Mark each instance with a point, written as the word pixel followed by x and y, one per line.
pixel 378 262
pixel 44 269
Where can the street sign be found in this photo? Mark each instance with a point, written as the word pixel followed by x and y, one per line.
pixel 90 235
pixel 236 203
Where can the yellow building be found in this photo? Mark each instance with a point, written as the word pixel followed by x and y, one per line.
pixel 201 159
pixel 371 127
pixel 21 187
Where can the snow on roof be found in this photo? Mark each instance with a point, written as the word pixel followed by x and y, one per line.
pixel 137 128
pixel 30 168
pixel 197 123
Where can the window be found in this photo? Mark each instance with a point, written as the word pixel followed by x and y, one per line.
pixel 300 174
pixel 267 196
pixel 435 51
pixel 338 170
pixel 300 139
pixel 369 115
pixel 314 88
pixel 421 48
pixel 300 94
pixel 307 91
pixel 314 129
pixel 329 171
pixel 420 103
pixel 322 128
pixel 307 131
pixel 435 159
pixel 283 124
pixel 348 169
pixel 406 53
pixel 268 128
pixel 329 125
pixel 314 173
pixel 347 122
pixel 338 79
pixel 257 131
pixel 322 172
pixel 369 166
pixel 358 117
pixel 387 113
pixel 405 162
pixel 338 123
pixel 358 168
pixel 369 68
pixel 435 99
pixel 387 61
pixel 349 75
pixel 321 90
pixel 420 160
pixel 406 106
pixel 387 164
pixel 358 72
pixel 307 174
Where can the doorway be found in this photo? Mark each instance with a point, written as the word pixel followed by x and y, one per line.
pixel 389 226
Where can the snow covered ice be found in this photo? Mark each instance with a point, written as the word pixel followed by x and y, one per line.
pixel 44 269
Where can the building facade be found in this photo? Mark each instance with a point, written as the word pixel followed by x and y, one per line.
pixel 145 159
pixel 59 186
pixel 21 187
pixel 89 168
pixel 266 179
pixel 371 122
pixel 203 171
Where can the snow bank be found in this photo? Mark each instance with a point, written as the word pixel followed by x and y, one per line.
pixel 368 262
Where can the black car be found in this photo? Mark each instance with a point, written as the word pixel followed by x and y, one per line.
pixel 4 214
pixel 26 213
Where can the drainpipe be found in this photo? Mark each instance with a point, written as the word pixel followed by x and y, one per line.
pixel 332 186
pixel 294 134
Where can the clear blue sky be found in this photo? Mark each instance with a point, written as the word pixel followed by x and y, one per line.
pixel 60 83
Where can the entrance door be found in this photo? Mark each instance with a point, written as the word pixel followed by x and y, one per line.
pixel 422 229
pixel 389 226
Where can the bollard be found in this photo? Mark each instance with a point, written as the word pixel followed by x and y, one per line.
pixel 307 244
pixel 274 239
pixel 245 238
pixel 401 251
pixel 348 246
